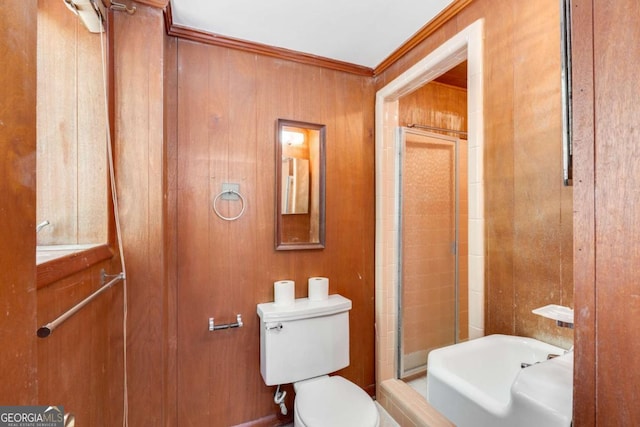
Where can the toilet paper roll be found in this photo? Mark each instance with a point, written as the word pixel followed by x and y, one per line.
pixel 284 292
pixel 318 288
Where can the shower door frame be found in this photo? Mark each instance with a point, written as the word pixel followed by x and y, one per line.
pixel 400 157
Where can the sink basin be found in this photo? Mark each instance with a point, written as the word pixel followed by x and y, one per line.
pixel 481 383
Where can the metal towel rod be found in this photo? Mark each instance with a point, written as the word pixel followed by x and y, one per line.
pixel 46 330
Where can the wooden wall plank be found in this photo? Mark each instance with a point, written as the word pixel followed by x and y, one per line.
pixel 617 229
pixel 241 244
pixel 584 377
pixel 18 55
pixel 220 284
pixel 538 187
pixel 139 150
pixel 350 206
pixel 171 219
pixel 193 189
pixel 499 168
pixel 275 102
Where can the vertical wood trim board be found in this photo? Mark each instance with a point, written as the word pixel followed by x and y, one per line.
pixel 17 184
pixel 584 378
pixel 139 149
pixel 616 39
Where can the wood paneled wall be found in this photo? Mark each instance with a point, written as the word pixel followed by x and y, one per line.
pixel 528 211
pixel 17 209
pixel 435 104
pixel 228 104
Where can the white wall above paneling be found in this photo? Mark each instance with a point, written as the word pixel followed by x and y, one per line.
pixel 361 32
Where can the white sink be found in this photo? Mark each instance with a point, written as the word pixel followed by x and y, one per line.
pixel 480 383
pixel 545 391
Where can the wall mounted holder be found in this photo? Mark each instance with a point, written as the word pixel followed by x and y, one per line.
pixel 237 324
pixel 229 192
pixel 562 315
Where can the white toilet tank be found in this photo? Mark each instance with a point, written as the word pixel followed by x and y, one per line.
pixel 303 340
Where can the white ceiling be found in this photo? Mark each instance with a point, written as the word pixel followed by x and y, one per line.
pixel 361 32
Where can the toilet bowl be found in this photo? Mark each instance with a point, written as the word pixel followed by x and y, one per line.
pixel 333 401
pixel 301 344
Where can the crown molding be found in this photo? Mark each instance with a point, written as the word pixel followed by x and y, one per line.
pixel 431 27
pixel 275 52
pixel 262 49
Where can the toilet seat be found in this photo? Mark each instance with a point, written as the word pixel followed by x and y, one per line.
pixel 333 401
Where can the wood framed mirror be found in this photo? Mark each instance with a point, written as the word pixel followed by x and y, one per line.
pixel 300 185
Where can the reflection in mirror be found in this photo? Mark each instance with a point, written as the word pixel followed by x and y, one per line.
pixel 71 158
pixel 295 185
pixel 299 185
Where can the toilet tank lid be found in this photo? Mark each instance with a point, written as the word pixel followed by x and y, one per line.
pixel 303 308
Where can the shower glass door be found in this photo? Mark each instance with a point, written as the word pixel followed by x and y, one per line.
pixel 432 247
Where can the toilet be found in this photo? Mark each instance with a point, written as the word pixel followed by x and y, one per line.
pixel 302 343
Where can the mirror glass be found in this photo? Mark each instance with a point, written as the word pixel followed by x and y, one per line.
pixel 300 171
pixel 71 158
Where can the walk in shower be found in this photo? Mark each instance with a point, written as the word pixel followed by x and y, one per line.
pixel 393 393
pixel 433 245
